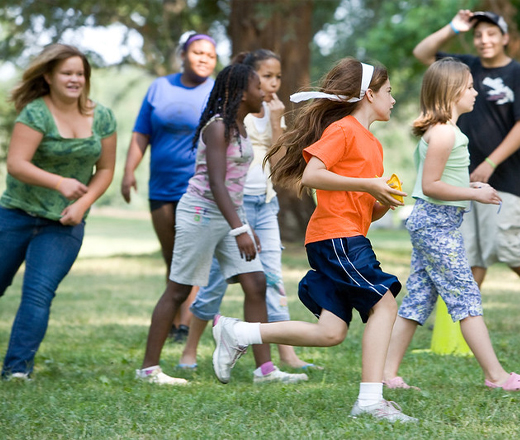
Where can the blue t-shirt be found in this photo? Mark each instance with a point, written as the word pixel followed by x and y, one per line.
pixel 170 115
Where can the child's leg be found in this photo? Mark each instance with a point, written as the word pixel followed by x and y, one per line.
pixel 476 335
pixel 162 319
pixel 402 334
pixel 204 308
pixel 376 338
pixel 330 330
pixel 189 354
pixel 255 310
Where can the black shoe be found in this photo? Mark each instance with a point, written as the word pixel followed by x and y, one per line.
pixel 182 334
pixel 173 332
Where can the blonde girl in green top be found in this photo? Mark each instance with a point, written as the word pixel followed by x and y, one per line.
pixel 60 161
pixel 439 265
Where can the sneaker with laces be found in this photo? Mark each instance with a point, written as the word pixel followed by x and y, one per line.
pixel 384 410
pixel 227 350
pixel 280 376
pixel 155 375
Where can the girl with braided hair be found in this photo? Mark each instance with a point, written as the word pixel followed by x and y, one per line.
pixel 261 208
pixel 210 218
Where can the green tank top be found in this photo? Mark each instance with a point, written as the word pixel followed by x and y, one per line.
pixel 455 172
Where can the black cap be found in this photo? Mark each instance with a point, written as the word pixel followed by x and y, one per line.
pixel 491 17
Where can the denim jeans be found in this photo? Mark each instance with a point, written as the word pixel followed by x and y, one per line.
pixel 263 218
pixel 49 250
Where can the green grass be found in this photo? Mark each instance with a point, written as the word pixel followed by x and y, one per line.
pixel 83 385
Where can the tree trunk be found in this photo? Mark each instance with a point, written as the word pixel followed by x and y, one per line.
pixel 285 27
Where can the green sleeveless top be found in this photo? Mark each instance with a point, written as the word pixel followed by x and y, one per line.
pixel 67 157
pixel 455 172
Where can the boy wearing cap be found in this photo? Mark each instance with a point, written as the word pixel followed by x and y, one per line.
pixel 493 129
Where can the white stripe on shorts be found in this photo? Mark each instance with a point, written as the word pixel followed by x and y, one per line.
pixel 353 267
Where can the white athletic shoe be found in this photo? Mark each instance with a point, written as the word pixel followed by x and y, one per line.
pixel 280 376
pixel 227 350
pixel 157 376
pixel 19 376
pixel 384 410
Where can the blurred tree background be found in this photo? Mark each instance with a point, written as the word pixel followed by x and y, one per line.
pixel 310 35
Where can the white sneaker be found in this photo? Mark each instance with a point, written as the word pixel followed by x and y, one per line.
pixel 19 376
pixel 280 376
pixel 156 375
pixel 384 410
pixel 227 351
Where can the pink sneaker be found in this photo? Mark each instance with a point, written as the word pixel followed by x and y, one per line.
pixel 398 382
pixel 511 384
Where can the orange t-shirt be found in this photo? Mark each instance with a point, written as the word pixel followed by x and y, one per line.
pixel 348 149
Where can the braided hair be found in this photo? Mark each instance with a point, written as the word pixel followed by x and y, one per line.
pixel 225 98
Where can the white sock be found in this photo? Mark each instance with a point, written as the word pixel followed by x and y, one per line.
pixel 370 393
pixel 248 333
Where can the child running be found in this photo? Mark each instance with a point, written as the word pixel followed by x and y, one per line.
pixel 211 220
pixel 331 149
pixel 439 265
pixel 261 208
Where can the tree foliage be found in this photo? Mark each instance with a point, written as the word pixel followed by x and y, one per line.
pixel 24 23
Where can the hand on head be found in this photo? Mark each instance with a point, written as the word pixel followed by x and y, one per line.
pixel 462 21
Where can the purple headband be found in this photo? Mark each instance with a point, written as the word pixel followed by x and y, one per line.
pixel 197 37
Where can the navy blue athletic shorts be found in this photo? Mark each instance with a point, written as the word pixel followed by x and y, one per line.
pixel 345 275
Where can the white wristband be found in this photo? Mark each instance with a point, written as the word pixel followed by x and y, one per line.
pixel 240 230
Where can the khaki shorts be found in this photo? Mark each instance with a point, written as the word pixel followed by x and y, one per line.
pixel 491 237
pixel 201 231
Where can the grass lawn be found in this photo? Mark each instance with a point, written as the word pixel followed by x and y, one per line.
pixel 84 383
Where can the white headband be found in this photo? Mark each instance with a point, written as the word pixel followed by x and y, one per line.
pixel 368 71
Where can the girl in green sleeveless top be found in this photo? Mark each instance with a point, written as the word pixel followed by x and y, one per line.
pixel 442 190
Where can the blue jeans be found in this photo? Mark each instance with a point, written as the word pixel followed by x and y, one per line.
pixel 263 218
pixel 49 250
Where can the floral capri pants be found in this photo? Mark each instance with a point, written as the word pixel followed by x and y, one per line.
pixel 439 265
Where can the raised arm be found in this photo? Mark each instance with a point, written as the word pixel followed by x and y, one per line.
pixel 426 50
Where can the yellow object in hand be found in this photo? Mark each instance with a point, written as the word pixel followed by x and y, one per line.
pixel 395 182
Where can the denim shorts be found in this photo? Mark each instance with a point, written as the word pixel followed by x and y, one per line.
pixel 263 218
pixel 346 275
pixel 201 231
pixel 439 265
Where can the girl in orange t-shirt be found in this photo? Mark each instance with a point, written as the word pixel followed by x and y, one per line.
pixel 341 161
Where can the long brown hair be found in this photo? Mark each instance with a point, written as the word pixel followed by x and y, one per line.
pixel 33 84
pixel 442 86
pixel 343 79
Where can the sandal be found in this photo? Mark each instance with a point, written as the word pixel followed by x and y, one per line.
pixel 398 383
pixel 511 384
